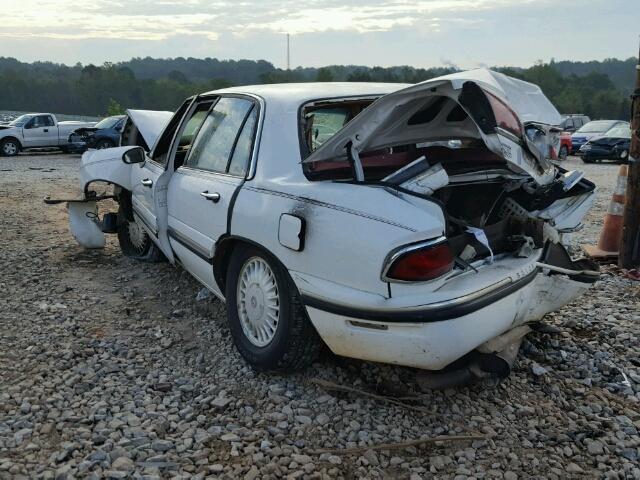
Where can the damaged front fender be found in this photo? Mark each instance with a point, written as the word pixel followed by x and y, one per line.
pixel 105 166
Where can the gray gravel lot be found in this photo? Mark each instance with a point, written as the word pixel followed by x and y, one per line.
pixel 112 369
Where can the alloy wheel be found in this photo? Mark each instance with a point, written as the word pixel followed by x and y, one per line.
pixel 9 148
pixel 258 301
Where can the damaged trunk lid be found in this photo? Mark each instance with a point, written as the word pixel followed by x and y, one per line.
pixel 511 117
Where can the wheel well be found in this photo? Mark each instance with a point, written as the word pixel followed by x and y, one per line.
pixel 223 252
pixel 12 138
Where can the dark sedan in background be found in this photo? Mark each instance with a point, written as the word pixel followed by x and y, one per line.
pixel 613 145
pixel 593 129
pixel 105 134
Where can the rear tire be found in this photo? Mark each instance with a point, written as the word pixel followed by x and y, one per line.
pixel 9 147
pixel 268 322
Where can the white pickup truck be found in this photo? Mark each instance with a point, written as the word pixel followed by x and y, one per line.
pixel 36 130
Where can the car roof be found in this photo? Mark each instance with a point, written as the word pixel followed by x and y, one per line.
pixel 298 93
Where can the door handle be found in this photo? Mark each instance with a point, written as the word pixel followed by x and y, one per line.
pixel 214 197
pixel 147 183
pixel 46 129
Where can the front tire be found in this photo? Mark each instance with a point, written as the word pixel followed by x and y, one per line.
pixel 135 242
pixel 10 147
pixel 267 319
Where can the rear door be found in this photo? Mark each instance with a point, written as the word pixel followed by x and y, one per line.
pixel 202 189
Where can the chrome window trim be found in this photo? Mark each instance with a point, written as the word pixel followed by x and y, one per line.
pixel 398 252
pixel 257 134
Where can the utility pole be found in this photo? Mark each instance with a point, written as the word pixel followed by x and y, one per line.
pixel 288 54
pixel 630 241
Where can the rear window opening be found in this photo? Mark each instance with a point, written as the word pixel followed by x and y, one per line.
pixel 323 119
pixel 456 156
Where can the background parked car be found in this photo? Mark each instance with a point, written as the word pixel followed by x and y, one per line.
pixel 572 122
pixel 36 130
pixel 565 145
pixel 596 128
pixel 613 145
pixel 105 134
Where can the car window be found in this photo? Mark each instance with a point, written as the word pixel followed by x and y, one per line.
pixel 20 121
pixel 46 121
pixel 213 146
pixel 619 131
pixel 597 126
pixel 163 144
pixel 109 122
pixel 568 123
pixel 189 131
pixel 242 152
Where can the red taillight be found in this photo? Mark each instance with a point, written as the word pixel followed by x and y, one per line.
pixel 422 264
pixel 505 117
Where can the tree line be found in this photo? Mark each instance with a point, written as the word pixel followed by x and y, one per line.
pixel 597 89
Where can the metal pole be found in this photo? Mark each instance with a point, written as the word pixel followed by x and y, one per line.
pixel 288 54
pixel 630 240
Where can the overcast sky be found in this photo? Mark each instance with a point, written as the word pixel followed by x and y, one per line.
pixel 421 33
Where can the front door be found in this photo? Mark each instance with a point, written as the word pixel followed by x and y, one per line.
pixel 144 183
pixel 202 189
pixel 149 181
pixel 40 131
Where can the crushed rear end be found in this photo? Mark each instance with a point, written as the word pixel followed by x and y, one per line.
pixel 478 145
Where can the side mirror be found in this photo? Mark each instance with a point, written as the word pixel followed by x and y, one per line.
pixel 134 155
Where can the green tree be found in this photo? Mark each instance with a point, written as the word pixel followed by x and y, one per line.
pixel 324 75
pixel 114 108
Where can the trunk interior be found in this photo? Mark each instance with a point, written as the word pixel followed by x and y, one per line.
pixel 504 210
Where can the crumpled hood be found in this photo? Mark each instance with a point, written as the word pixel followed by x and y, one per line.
pixel 149 123
pixel 388 121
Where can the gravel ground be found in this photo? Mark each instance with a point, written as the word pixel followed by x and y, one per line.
pixel 111 369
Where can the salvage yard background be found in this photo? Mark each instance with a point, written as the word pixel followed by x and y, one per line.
pixel 109 366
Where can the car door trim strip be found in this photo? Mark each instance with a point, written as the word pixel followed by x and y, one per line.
pixel 190 245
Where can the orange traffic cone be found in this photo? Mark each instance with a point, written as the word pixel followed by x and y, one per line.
pixel 609 242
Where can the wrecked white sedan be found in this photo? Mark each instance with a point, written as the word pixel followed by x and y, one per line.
pixel 420 227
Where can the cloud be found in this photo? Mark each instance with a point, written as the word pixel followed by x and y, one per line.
pixel 161 19
pixel 374 32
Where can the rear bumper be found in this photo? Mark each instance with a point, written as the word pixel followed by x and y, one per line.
pixel 426 343
pixel 432 312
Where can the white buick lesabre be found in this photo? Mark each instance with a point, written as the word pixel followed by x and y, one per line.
pixel 414 225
